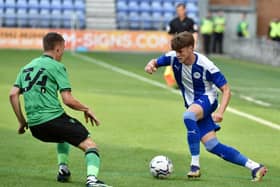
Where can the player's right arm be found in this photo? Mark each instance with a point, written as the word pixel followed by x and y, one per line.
pixel 15 102
pixel 164 60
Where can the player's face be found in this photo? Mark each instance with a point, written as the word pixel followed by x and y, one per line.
pixel 59 50
pixel 184 55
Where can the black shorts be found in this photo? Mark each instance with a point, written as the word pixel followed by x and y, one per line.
pixel 61 129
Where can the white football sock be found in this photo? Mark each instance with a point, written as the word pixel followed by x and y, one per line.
pixel 195 160
pixel 251 164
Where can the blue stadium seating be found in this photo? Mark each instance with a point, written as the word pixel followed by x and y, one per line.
pixel 10 4
pixel 67 5
pixel 157 21
pixel 146 20
pixel 56 18
pixel 2 4
pixel 134 21
pixel 122 5
pixel 33 4
pixel 144 6
pixel 133 6
pixel 67 17
pixel 22 4
pixel 45 5
pixel 33 18
pixel 1 16
pixel 45 19
pixel 55 5
pixel 22 17
pixel 156 6
pixel 10 18
pixel 79 5
pixel 168 7
pixel 160 11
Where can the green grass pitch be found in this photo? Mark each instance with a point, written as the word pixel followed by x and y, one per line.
pixel 140 121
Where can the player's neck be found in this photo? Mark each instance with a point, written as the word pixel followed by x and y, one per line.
pixel 48 53
pixel 191 60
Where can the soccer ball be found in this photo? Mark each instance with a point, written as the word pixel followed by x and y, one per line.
pixel 161 167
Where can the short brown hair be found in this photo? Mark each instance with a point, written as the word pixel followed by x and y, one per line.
pixel 50 40
pixel 181 40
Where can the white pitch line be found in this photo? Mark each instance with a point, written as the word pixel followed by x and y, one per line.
pixel 160 85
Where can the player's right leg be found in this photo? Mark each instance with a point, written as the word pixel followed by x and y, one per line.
pixel 191 116
pixel 92 163
pixel 62 156
pixel 232 155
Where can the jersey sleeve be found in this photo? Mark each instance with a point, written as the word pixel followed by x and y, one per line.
pixel 62 80
pixel 18 82
pixel 166 59
pixel 214 75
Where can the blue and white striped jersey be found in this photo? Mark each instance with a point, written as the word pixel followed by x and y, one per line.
pixel 195 80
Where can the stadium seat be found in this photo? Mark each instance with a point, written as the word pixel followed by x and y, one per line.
pixel 22 4
pixel 56 18
pixel 191 7
pixel 33 4
pixel 10 17
pixel 2 4
pixel 45 18
pixel 67 5
pixel 67 18
pixel 157 21
pixel 33 17
pixel 156 6
pixel 22 17
pixel 122 6
pixel 146 21
pixel 168 7
pixel 45 4
pixel 122 20
pixel 81 19
pixel 79 5
pixel 1 16
pixel 55 5
pixel 134 20
pixel 10 4
pixel 133 6
pixel 167 17
pixel 144 7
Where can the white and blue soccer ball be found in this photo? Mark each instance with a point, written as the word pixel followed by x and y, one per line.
pixel 161 167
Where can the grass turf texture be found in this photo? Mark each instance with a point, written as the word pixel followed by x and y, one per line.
pixel 140 121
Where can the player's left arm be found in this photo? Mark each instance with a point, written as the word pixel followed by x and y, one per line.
pixel 15 102
pixel 226 95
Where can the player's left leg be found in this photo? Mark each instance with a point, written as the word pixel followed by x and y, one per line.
pixel 232 155
pixel 62 156
pixel 191 116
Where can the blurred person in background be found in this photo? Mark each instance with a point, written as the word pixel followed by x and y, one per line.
pixel 206 30
pixel 177 25
pixel 242 27
pixel 274 30
pixel 218 36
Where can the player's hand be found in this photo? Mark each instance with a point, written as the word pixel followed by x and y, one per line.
pixel 22 127
pixel 90 116
pixel 151 66
pixel 217 117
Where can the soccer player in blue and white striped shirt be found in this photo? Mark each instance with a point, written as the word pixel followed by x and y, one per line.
pixel 197 78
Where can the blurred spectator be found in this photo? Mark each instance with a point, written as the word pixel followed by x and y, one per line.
pixel 242 27
pixel 206 29
pixel 218 36
pixel 179 24
pixel 274 30
pixel 182 22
